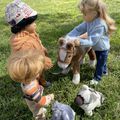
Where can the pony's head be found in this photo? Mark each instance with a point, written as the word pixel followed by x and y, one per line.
pixel 67 50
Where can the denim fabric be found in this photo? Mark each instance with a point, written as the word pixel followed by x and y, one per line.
pixel 101 66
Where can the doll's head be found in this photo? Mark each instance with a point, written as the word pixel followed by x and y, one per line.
pixel 89 9
pixel 25 66
pixel 92 9
pixel 19 15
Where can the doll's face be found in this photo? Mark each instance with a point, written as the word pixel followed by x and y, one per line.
pixel 89 14
pixel 31 28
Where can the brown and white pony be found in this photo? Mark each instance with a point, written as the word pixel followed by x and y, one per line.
pixel 71 53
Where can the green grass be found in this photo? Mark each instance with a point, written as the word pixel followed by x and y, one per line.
pixel 55 19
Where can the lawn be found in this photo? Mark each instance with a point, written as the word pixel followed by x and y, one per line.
pixel 55 19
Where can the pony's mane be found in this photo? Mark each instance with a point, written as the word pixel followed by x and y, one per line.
pixel 70 38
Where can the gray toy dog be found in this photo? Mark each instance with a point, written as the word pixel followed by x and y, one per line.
pixel 88 99
pixel 62 112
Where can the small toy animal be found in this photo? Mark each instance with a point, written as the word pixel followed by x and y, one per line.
pixel 62 112
pixel 71 53
pixel 88 99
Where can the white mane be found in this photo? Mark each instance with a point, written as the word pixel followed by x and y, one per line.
pixel 70 38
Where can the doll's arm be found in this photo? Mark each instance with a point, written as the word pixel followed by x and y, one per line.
pixel 78 30
pixel 34 91
pixel 94 38
pixel 39 99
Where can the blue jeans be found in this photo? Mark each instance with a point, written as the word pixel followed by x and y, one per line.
pixel 101 66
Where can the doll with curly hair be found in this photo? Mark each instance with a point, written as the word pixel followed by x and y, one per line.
pixel 24 67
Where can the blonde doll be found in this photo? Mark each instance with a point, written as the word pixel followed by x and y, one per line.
pixel 21 18
pixel 99 26
pixel 24 67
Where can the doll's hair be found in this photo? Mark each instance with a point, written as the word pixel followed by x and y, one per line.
pixel 100 7
pixel 24 66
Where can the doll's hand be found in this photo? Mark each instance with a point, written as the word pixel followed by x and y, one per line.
pixel 84 36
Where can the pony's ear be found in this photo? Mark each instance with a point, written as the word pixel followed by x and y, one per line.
pixel 77 42
pixel 69 46
pixel 61 41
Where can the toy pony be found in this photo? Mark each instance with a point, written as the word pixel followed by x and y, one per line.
pixel 70 53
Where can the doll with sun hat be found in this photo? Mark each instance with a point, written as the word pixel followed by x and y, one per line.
pixel 21 18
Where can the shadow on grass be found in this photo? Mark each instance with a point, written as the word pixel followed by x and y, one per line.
pixel 116 16
pixel 79 112
pixel 12 101
pixel 84 76
pixel 7 83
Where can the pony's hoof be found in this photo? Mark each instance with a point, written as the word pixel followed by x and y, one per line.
pixel 76 79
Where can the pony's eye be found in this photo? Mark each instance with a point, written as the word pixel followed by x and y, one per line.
pixel 61 43
pixel 69 56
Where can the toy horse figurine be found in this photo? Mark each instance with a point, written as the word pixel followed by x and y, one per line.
pixel 71 53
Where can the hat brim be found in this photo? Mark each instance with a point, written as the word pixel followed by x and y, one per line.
pixel 23 23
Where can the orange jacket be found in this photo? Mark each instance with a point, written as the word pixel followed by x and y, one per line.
pixel 25 41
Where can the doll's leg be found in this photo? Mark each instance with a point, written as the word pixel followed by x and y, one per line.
pixel 101 61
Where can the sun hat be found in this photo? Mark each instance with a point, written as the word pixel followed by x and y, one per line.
pixel 18 14
pixel 17 11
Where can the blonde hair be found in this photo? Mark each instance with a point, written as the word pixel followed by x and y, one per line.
pixel 24 66
pixel 99 7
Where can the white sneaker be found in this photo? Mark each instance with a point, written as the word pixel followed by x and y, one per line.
pixel 93 82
